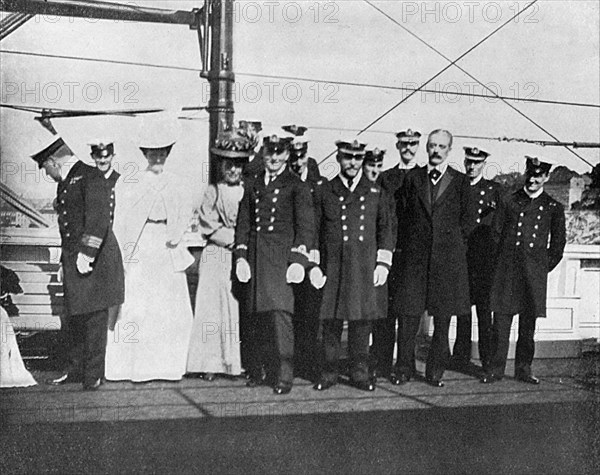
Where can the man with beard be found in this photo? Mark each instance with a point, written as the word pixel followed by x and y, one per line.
pixel 435 216
pixel 481 258
pixel 275 228
pixel 384 331
pixel 530 226
pixel 355 253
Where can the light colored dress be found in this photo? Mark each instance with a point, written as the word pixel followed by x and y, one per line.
pixel 13 373
pixel 150 337
pixel 215 341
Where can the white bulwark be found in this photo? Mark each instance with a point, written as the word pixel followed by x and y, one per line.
pixel 573 298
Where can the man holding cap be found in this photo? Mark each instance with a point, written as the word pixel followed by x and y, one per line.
pixel 530 226
pixel 481 260
pixel 91 260
pixel 355 254
pixel 275 227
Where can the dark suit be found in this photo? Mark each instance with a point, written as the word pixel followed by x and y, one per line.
pixel 85 206
pixel 481 259
pixel 434 222
pixel 532 241
pixel 275 227
pixel 353 226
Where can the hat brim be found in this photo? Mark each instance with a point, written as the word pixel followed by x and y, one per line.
pixel 230 153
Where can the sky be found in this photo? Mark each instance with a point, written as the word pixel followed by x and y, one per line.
pixel 284 55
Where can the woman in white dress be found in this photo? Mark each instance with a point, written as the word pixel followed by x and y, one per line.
pixel 13 372
pixel 215 341
pixel 150 337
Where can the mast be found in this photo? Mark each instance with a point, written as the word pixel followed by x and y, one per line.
pixel 220 75
pixel 213 22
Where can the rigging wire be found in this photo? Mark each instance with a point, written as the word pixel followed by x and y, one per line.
pixel 308 79
pixel 453 63
pixel 66 113
pixel 448 66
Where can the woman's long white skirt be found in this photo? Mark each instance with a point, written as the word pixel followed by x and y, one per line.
pixel 151 336
pixel 215 341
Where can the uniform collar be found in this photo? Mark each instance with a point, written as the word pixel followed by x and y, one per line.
pixel 477 180
pixel 535 195
pixel 65 166
pixel 269 178
pixel 355 180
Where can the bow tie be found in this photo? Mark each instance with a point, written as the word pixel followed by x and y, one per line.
pixel 434 174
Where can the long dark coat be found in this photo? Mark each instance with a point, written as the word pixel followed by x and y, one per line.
pixel 481 252
pixel 532 241
pixel 432 272
pixel 352 226
pixel 85 206
pixel 275 227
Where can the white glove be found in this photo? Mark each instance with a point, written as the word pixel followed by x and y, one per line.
pixel 380 275
pixel 242 270
pixel 84 263
pixel 317 278
pixel 295 273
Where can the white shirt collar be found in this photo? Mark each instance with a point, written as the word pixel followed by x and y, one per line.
pixel 442 167
pixel 476 180
pixel 535 195
pixel 269 177
pixel 407 166
pixel 355 180
pixel 304 174
pixel 108 173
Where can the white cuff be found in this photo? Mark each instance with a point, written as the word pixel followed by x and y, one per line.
pixel 314 256
pixel 384 256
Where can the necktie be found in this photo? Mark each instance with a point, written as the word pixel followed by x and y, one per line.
pixel 350 181
pixel 434 174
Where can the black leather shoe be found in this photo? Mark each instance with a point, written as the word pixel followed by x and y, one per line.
pixel 527 378
pixel 254 382
pixel 363 385
pixel 398 379
pixel 489 378
pixel 323 385
pixel 208 377
pixel 436 383
pixel 94 386
pixel 64 379
pixel 282 389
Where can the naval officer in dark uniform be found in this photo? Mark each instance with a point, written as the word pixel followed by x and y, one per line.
pixel 355 254
pixel 91 260
pixel 275 228
pixel 481 259
pixel 531 229
pixel 307 299
pixel 384 331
